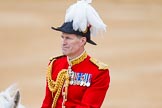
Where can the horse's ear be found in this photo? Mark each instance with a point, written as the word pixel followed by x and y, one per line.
pixel 16 99
pixel 11 89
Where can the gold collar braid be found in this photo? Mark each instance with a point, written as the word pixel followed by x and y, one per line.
pixel 56 86
pixel 78 59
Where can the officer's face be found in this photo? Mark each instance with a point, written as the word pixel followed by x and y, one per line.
pixel 72 45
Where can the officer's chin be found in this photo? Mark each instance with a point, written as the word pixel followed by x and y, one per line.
pixel 64 52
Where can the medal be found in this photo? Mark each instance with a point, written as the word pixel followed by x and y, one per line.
pixel 71 82
pixel 88 84
pixel 81 79
pixel 89 80
pixel 71 74
pixel 81 83
pixel 75 79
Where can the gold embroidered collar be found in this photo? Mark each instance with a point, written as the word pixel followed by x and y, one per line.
pixel 78 59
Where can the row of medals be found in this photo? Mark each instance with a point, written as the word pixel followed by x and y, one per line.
pixel 81 79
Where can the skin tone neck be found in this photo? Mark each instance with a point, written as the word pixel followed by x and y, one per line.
pixel 72 45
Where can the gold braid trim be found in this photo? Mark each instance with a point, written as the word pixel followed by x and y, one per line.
pixel 51 83
pixel 56 86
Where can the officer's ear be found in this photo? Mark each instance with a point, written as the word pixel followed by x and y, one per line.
pixel 83 40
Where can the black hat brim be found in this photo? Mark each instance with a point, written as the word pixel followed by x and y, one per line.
pixel 67 28
pixel 65 31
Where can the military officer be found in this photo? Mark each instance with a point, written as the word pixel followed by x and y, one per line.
pixel 75 79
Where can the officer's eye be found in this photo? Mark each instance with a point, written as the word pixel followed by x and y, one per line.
pixel 68 38
pixel 62 36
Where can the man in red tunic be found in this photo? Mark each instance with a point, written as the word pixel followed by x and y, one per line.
pixel 76 80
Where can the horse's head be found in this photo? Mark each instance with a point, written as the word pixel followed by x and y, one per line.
pixel 10 98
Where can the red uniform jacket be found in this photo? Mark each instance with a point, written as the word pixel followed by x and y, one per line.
pixel 81 96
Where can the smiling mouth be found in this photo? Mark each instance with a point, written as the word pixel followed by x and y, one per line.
pixel 64 48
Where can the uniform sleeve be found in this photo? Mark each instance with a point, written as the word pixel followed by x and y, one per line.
pixel 95 94
pixel 47 102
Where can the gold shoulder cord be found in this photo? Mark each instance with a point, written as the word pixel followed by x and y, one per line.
pixel 56 86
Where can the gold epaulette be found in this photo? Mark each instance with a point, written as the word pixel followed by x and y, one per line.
pixel 54 58
pixel 100 65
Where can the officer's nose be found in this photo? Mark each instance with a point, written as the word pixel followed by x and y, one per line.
pixel 64 41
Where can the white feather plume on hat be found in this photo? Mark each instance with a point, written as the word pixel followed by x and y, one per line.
pixel 84 15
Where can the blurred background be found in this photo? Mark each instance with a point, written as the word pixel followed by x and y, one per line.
pixel 132 47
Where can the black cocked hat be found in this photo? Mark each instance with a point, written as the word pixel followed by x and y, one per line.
pixel 67 27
